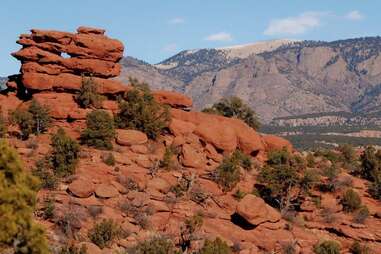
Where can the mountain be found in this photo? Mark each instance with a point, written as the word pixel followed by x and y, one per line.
pixel 132 67
pixel 313 92
pixel 189 64
pixel 281 78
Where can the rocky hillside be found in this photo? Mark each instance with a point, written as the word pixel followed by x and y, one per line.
pixel 203 184
pixel 293 79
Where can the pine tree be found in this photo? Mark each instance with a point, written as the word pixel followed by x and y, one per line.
pixel 65 154
pixel 35 119
pixel 88 95
pixel 138 110
pixel 100 130
pixel 18 199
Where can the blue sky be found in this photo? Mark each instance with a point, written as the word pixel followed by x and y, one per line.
pixel 153 30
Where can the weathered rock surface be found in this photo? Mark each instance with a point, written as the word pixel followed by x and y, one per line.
pixel 255 211
pixel 276 143
pixel 106 190
pixel 81 188
pixel 46 67
pixel 130 137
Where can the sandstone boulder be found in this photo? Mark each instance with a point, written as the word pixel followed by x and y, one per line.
pixel 130 137
pixel 179 127
pixel 276 143
pixel 106 191
pixel 173 99
pixel 82 188
pixel 255 211
pixel 191 157
pixel 90 247
pixel 61 105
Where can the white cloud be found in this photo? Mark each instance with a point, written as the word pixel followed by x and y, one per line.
pixel 170 48
pixel 295 25
pixel 354 15
pixel 222 36
pixel 176 21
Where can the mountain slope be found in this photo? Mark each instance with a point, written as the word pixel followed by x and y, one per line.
pixel 188 64
pixel 132 67
pixel 284 78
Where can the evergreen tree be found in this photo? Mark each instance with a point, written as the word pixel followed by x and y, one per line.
pixel 139 110
pixel 18 199
pixel 235 107
pixel 65 154
pixel 35 119
pixel 41 117
pixel 88 95
pixel 100 130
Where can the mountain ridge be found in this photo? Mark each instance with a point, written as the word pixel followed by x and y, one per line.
pixel 296 78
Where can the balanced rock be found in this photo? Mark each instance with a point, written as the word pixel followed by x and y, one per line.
pixel 56 61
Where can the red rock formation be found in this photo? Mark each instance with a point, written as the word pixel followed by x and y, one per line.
pixel 45 67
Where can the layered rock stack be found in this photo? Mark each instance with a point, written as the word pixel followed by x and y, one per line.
pixel 53 64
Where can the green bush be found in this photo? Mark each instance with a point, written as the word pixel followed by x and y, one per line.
pixel 103 233
pixel 310 160
pixel 370 164
pixel 227 174
pixel 235 107
pixel 72 249
pixel 309 179
pixel 18 199
pixel 139 110
pixel 48 209
pixel 289 248
pixel 100 130
pixel 278 180
pixel 279 157
pixel 327 247
pixel 242 159
pixel 191 225
pixel 88 94
pixel 215 247
pixel 358 248
pixel 331 172
pixel 156 245
pixel 65 154
pixel 238 195
pixel 329 155
pixel 351 201
pixel 361 214
pixel 169 162
pixel 43 171
pixel 375 188
pixel 34 120
pixel 348 153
